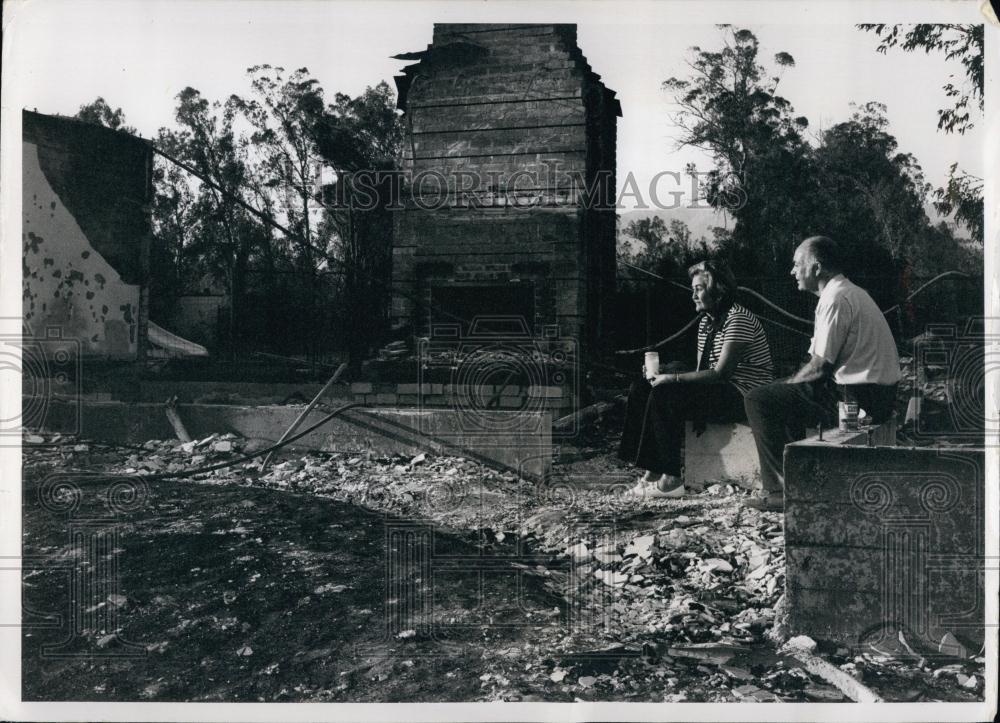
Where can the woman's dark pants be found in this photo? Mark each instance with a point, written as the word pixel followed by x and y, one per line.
pixel 654 420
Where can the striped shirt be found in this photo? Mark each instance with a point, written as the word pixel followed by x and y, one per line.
pixel 754 368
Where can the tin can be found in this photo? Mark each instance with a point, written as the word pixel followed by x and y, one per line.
pixel 848 416
pixel 652 363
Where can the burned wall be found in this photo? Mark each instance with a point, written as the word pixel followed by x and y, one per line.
pixel 86 192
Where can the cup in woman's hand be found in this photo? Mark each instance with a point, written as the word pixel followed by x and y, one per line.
pixel 652 364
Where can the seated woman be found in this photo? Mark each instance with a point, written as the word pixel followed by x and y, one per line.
pixel 733 358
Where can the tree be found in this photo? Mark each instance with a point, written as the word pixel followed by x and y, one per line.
pixel 964 42
pixel 650 233
pixel 963 192
pixel 100 113
pixel 664 249
pixel 873 194
pixel 283 114
pixel 729 107
pixel 207 141
pixel 361 138
pixel 962 195
pixel 175 226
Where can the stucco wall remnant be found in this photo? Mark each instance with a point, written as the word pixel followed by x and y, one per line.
pixel 85 214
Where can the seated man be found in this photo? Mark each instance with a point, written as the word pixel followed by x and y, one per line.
pixel 851 339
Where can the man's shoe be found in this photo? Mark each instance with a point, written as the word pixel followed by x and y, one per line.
pixel 774 502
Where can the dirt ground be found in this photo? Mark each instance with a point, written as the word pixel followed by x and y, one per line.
pixel 353 578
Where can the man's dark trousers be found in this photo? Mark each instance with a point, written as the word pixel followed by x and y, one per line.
pixel 780 413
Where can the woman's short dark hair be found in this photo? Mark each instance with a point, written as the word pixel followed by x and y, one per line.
pixel 722 284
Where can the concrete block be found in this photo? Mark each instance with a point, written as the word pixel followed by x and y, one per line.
pixel 884 539
pixel 722 452
pixel 385 398
pixel 361 387
pixel 881 435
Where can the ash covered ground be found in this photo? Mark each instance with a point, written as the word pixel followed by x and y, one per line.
pixel 305 584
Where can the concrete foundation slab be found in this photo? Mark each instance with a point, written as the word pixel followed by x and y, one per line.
pixel 519 442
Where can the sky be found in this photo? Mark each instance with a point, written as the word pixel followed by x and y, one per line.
pixel 139 54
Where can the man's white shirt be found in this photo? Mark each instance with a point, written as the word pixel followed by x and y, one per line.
pixel 851 334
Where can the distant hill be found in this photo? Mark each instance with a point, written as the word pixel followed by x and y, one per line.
pixel 699 220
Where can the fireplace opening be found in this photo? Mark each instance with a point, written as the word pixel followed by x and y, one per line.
pixel 507 309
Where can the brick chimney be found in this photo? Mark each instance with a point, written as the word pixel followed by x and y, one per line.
pixel 509 183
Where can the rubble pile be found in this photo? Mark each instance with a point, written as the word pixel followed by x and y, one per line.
pixel 689 591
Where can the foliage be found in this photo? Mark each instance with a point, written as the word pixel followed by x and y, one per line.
pixel 282 114
pixel 666 250
pixel 962 195
pixel 175 224
pixel 729 107
pixel 360 139
pixel 855 185
pixel 962 42
pixel 267 152
pixel 874 195
pixel 100 113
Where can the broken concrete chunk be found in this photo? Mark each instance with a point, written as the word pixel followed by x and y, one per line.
pixel 801 642
pixel 738 673
pixel 641 546
pixel 709 653
pixel 949 645
pixel 717 564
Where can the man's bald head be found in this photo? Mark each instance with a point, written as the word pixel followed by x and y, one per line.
pixel 824 251
pixel 817 260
